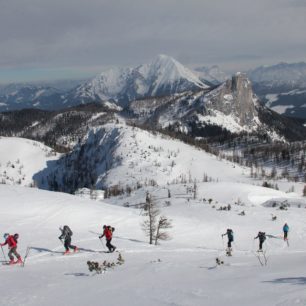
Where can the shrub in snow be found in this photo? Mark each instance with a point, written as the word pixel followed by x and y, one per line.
pixel 94 266
pixel 219 261
pixel 167 203
pixel 283 206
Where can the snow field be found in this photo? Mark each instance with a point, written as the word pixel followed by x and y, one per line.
pixel 181 271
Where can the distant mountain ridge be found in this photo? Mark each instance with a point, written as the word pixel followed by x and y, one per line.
pixel 163 76
pixel 214 75
pixel 282 87
pixel 231 108
pixel 293 74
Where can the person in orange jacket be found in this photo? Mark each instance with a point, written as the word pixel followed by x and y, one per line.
pixel 108 233
pixel 11 241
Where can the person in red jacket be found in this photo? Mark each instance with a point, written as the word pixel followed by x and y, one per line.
pixel 108 233
pixel 11 241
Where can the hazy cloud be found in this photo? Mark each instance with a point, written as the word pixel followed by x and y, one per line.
pixel 46 34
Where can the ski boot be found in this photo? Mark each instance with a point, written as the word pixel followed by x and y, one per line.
pixel 19 260
pixel 228 252
pixel 67 252
pixel 11 262
pixel 76 249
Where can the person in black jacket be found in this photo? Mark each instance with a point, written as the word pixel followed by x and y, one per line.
pixel 230 238
pixel 262 237
pixel 66 236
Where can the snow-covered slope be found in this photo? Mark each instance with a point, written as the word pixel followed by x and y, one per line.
pixel 163 76
pixel 181 271
pixel 290 103
pixel 201 194
pixel 118 154
pixel 21 158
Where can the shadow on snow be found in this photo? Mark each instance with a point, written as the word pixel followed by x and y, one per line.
pixel 289 280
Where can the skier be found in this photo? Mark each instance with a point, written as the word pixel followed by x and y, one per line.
pixel 66 235
pixel 108 233
pixel 262 237
pixel 11 241
pixel 230 237
pixel 285 230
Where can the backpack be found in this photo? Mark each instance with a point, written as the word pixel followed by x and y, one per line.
pixel 230 234
pixel 262 236
pixel 16 236
pixel 67 230
pixel 111 229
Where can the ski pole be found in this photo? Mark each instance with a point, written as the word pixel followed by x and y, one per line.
pixel 102 244
pixel 222 242
pixel 26 255
pixel 3 254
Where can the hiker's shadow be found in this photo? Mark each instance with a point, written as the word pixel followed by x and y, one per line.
pixel 88 250
pixel 77 274
pixel 289 280
pixel 45 250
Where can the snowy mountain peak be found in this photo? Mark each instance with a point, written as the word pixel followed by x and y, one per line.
pixel 163 76
pixel 169 70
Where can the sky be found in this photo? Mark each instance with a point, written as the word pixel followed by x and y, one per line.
pixel 58 39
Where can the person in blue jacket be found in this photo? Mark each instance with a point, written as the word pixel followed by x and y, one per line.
pixel 285 230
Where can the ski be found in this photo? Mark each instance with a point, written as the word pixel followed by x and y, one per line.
pixel 265 258
pixel 262 259
pixel 258 257
pixel 228 252
pixel 12 264
pixel 287 241
pixel 71 253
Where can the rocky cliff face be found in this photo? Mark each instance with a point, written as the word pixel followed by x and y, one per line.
pixel 234 97
pixel 232 107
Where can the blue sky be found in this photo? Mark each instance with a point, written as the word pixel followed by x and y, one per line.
pixel 44 39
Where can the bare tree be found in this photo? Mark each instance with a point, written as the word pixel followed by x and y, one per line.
pixel 151 211
pixel 152 226
pixel 162 224
pixel 195 189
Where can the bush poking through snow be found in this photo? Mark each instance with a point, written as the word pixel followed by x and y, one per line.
pixel 219 261
pixel 97 268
